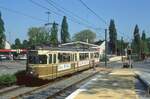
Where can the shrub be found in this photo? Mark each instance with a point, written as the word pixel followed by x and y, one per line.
pixel 7 80
pixel 102 58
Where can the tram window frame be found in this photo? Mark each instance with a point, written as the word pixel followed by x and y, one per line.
pixel 96 55
pixel 33 59
pixel 86 55
pixel 72 57
pixel 75 56
pixel 64 57
pixel 54 58
pixel 91 55
pixel 83 56
pixel 42 60
pixel 50 59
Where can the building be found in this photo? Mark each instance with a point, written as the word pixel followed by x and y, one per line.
pixel 7 45
pixel 85 45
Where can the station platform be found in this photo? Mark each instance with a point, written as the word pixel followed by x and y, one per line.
pixel 119 84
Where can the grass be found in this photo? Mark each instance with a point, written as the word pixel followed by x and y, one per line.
pixel 7 80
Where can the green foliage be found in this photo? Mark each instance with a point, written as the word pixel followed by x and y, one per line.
pixel 143 36
pixel 112 37
pixel 144 43
pixel 103 58
pixel 120 45
pixel 148 44
pixel 65 36
pixel 136 44
pixel 38 36
pixel 54 37
pixel 25 44
pixel 2 35
pixel 7 79
pixel 17 44
pixel 85 35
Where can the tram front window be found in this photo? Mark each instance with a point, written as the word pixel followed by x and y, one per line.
pixel 40 59
pixel 33 60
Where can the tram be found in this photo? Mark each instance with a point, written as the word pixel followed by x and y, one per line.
pixel 54 63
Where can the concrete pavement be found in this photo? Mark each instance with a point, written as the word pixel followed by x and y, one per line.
pixel 117 85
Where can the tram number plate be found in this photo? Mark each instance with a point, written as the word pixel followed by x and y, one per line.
pixel 63 67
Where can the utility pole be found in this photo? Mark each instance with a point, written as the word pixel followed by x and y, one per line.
pixel 48 13
pixel 48 23
pixel 105 47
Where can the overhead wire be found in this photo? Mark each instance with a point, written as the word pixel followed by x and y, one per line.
pixel 54 5
pixel 68 11
pixel 56 13
pixel 99 17
pixel 23 14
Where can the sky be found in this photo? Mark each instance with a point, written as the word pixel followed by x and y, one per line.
pixel 126 13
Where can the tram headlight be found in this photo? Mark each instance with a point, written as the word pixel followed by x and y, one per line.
pixel 31 72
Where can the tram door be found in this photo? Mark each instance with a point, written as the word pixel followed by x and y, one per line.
pixel 52 62
pixel 54 66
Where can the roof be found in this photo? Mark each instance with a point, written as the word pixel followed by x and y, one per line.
pixel 79 42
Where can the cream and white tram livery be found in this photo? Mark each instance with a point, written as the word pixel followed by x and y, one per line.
pixel 50 64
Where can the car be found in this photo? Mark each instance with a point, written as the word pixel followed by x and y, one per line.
pixel 3 57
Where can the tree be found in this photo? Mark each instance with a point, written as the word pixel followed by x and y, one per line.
pixel 65 36
pixel 17 44
pixel 2 35
pixel 144 43
pixel 38 36
pixel 54 37
pixel 85 35
pixel 25 44
pixel 143 36
pixel 148 44
pixel 137 41
pixel 112 37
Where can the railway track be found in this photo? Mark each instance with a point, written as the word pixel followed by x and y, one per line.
pixel 48 90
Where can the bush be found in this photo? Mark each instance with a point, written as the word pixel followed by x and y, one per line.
pixel 7 80
pixel 102 58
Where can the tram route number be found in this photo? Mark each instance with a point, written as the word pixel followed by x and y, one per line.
pixel 63 67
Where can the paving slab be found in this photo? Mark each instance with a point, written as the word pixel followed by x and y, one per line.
pixel 116 85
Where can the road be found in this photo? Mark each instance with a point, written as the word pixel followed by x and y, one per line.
pixel 143 66
pixel 10 67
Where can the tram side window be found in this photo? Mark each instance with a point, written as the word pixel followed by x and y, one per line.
pixel 50 58
pixel 96 55
pixel 86 55
pixel 91 54
pixel 64 57
pixel 42 59
pixel 72 57
pixel 75 57
pixel 54 58
pixel 83 56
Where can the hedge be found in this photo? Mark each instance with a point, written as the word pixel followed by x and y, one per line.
pixel 7 79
